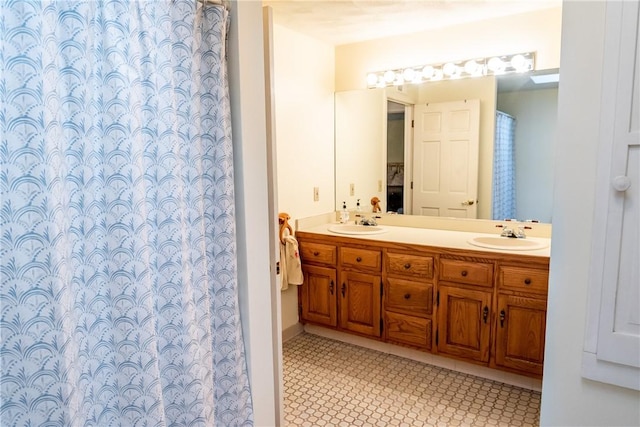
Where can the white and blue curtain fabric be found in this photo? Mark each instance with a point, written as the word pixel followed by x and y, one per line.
pixel 118 292
pixel 504 168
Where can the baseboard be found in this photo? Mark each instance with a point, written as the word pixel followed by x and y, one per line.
pixel 292 331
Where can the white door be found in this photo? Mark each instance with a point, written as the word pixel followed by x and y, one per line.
pixel 612 336
pixel 445 159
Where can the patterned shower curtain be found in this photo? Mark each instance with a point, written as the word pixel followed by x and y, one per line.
pixel 118 297
pixel 504 168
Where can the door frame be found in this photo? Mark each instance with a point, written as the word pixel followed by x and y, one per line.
pixel 404 99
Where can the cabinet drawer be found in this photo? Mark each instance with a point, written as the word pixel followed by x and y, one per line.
pixel 407 296
pixel 360 258
pixel 523 279
pixel 467 272
pixel 410 330
pixel 412 265
pixel 318 253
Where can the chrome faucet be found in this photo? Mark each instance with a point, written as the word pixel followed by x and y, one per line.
pixel 517 233
pixel 367 221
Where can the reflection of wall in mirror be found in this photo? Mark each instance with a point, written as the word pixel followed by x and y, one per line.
pixel 536 115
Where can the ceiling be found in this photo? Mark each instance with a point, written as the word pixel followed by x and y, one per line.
pixel 338 22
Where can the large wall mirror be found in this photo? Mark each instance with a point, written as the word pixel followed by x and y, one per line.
pixel 375 146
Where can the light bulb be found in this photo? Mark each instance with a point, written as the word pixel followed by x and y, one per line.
pixel 389 76
pixel 427 72
pixel 372 79
pixel 496 65
pixel 450 69
pixel 437 75
pixel 471 67
pixel 409 74
pixel 519 63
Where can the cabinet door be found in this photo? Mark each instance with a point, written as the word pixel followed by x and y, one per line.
pixel 464 323
pixel 360 302
pixel 520 333
pixel 318 295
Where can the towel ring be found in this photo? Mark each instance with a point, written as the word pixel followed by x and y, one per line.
pixel 283 220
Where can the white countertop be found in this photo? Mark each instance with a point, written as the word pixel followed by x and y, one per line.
pixel 433 237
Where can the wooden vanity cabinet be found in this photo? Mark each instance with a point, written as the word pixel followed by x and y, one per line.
pixel 465 296
pixel 485 308
pixel 342 286
pixel 521 318
pixel 408 298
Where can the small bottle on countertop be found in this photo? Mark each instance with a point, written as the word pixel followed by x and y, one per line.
pixel 358 214
pixel 344 214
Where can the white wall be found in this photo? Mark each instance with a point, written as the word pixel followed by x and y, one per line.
pixel 303 87
pixel 567 398
pixel 536 118
pixel 535 31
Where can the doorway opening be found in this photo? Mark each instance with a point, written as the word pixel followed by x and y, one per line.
pixel 395 157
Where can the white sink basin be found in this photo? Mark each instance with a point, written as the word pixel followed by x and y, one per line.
pixel 507 243
pixel 356 229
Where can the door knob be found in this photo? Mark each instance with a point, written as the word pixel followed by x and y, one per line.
pixel 468 202
pixel 621 183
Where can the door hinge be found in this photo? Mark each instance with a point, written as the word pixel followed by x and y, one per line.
pixel 438 299
pixel 278 267
pixel 412 185
pixel 437 337
pixel 412 123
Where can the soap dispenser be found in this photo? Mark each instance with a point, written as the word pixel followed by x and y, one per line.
pixel 344 214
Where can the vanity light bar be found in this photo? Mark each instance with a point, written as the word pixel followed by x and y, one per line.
pixel 476 67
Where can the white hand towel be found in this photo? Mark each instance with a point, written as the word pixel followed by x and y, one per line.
pixel 290 266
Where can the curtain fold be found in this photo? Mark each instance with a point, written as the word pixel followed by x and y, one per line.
pixel 504 168
pixel 118 300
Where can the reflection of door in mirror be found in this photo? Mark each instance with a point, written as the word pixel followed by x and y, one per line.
pixel 445 158
pixel 395 157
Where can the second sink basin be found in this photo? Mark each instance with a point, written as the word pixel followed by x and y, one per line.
pixel 356 229
pixel 507 243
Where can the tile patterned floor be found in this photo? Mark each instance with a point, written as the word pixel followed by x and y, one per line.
pixel 330 383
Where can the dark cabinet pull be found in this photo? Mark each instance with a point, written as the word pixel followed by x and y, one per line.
pixel 527 281
pixel 407 296
pixel 407 266
pixel 331 287
pixel 344 289
pixel 358 259
pixel 502 316
pixel 464 273
pixel 485 314
pixel 316 253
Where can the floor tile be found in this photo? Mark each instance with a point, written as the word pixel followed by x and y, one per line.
pixel 332 383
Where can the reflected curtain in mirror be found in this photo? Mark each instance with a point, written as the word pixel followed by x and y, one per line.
pixel 118 281
pixel 504 173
